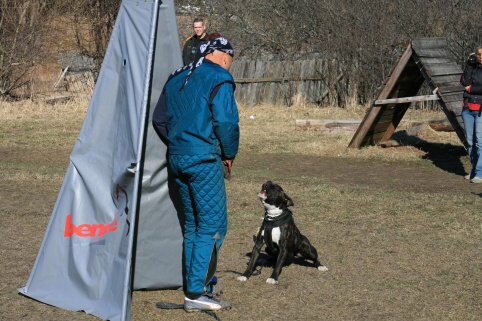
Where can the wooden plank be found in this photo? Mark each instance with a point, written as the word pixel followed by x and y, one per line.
pixel 399 112
pixel 396 72
pixel 457 97
pixel 359 139
pixel 341 123
pixel 387 114
pixel 460 122
pixel 59 99
pixel 377 131
pixel 383 123
pixel 443 71
pixel 454 105
pixel 437 65
pixel 437 60
pixel 386 118
pixel 262 80
pixel 459 93
pixel 450 89
pixel 433 53
pixel 327 125
pixel 449 84
pixel 453 101
pixel 403 100
pixel 373 139
pixel 435 42
pixel 457 110
pixel 455 123
pixel 445 80
pixel 234 68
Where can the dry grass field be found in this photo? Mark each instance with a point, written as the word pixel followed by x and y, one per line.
pixel 399 228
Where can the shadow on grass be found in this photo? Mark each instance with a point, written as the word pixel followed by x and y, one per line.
pixel 445 156
pixel 268 261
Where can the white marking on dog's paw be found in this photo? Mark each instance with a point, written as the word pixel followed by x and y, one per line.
pixel 322 268
pixel 271 281
pixel 242 278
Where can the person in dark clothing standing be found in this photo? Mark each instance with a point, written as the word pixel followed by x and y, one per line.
pixel 192 43
pixel 471 112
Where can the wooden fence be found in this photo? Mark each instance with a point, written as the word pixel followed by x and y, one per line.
pixel 265 80
pixel 313 80
pixel 76 76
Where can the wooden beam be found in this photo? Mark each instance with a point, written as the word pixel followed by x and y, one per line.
pixel 451 89
pixel 327 124
pixel 427 43
pixel 369 119
pixel 400 111
pixel 260 80
pixel 61 76
pixel 432 53
pixel 403 100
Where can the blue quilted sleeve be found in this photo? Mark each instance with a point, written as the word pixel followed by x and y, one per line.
pixel 226 120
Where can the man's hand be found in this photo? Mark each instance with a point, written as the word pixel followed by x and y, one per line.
pixel 229 164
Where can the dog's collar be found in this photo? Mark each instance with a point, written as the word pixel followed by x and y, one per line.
pixel 278 220
pixel 273 212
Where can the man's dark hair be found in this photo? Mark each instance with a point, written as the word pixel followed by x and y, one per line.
pixel 198 20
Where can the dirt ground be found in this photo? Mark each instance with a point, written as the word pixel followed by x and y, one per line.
pixel 401 240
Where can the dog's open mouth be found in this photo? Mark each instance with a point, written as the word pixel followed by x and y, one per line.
pixel 262 194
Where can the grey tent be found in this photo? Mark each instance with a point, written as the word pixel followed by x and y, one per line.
pixel 115 227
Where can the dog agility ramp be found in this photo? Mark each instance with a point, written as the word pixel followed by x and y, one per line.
pixel 425 59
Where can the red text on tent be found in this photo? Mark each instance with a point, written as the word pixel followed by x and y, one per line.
pixel 88 230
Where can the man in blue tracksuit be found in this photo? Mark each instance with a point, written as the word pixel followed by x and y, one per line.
pixel 198 119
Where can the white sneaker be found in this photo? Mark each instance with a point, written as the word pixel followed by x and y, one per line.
pixel 476 180
pixel 205 303
pixel 467 176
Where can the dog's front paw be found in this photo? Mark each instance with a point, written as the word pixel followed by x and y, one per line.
pixel 322 268
pixel 271 281
pixel 242 278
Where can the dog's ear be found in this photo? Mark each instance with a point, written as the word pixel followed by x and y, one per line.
pixel 288 200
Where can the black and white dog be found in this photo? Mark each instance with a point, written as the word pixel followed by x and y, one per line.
pixel 280 234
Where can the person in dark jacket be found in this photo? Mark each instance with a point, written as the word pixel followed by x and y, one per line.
pixel 471 112
pixel 197 118
pixel 192 43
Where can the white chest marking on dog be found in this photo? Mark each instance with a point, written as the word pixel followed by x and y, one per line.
pixel 275 235
pixel 272 210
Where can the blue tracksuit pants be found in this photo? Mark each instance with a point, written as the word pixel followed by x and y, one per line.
pixel 201 184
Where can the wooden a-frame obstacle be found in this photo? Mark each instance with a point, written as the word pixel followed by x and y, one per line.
pixel 425 59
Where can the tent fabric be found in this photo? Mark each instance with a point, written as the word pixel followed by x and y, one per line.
pixel 115 226
pixel 152 252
